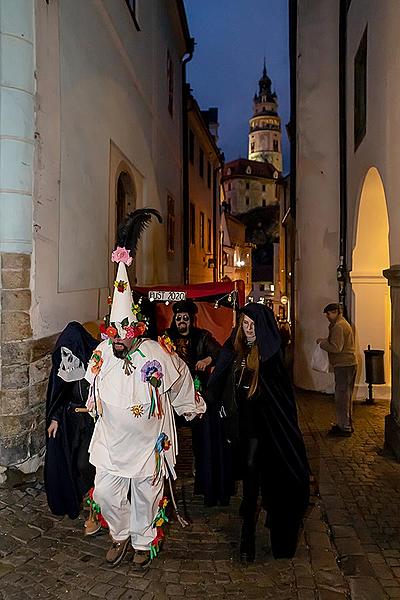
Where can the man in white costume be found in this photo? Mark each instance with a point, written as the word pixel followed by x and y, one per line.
pixel 136 384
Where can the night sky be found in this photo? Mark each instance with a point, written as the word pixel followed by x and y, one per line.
pixel 232 37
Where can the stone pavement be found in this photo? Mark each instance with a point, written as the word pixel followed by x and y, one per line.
pixel 350 547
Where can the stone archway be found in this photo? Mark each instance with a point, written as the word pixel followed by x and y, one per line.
pixel 371 299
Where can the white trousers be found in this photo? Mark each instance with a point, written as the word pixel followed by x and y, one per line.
pixel 126 518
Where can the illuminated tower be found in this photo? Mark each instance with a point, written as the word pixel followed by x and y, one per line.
pixel 265 137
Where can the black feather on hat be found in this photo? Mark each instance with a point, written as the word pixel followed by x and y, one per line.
pixel 132 227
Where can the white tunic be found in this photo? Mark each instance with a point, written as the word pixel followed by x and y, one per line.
pixel 126 433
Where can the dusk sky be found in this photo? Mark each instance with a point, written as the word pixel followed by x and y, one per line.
pixel 232 38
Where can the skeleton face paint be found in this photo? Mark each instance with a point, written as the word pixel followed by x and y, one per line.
pixel 71 367
pixel 182 321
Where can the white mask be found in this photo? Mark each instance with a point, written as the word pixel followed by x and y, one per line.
pixel 71 367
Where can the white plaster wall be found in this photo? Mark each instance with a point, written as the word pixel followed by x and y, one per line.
pixel 317 181
pixel 100 82
pixel 17 88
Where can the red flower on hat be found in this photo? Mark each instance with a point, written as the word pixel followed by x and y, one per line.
pixel 111 332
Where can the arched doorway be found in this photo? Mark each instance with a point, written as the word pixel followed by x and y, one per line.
pixel 371 299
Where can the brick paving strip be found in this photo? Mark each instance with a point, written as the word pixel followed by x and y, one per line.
pixel 356 521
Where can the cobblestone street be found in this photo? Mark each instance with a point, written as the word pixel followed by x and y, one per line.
pixel 350 547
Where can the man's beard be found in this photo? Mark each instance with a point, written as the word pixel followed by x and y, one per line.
pixel 120 353
pixel 183 329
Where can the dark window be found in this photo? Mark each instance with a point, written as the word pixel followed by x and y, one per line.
pixel 209 235
pixel 191 146
pixel 170 225
pixel 360 92
pixel 201 162
pixel 264 202
pixel 247 186
pixel 263 188
pixel 192 223
pixel 170 80
pixel 209 174
pixel 132 5
pixel 276 146
pixel 262 287
pixel 252 146
pixel 202 223
pixel 247 201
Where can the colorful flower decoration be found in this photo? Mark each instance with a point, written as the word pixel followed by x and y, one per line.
pixel 137 410
pixel 121 255
pixel 152 374
pixel 121 285
pixel 166 343
pixel 96 362
pixel 160 521
pixel 95 511
pixel 134 331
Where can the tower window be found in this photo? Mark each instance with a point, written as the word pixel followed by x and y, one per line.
pixel 276 146
pixel 252 146
pixel 264 202
pixel 247 186
pixel 263 187
pixel 247 201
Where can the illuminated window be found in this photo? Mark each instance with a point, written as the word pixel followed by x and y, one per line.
pixel 202 232
pixel 192 218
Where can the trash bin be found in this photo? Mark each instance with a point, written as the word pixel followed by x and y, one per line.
pixel 374 370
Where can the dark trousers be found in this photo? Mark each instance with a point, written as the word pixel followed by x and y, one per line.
pixel 345 378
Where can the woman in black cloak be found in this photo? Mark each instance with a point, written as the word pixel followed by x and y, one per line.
pixel 262 442
pixel 68 475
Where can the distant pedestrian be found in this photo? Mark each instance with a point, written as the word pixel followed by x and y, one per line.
pixel 342 358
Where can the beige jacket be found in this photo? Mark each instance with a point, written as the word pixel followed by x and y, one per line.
pixel 340 344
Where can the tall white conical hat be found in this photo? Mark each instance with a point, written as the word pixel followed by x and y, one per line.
pixel 121 309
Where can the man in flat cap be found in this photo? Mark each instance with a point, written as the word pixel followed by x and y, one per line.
pixel 342 358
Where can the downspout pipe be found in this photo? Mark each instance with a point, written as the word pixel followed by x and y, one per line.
pixel 216 216
pixel 342 273
pixel 185 164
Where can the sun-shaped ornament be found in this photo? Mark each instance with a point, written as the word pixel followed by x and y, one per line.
pixel 137 410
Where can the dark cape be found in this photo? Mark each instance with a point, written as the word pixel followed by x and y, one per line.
pixel 68 475
pixel 200 344
pixel 283 464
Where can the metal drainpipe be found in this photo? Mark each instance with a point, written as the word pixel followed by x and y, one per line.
pixel 216 209
pixel 185 166
pixel 342 274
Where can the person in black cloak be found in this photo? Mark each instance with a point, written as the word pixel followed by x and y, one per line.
pixel 199 349
pixel 263 444
pixel 68 475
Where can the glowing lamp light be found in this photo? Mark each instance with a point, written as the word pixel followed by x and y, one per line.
pixel 272 287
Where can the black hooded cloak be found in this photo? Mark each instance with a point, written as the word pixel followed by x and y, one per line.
pixel 271 416
pixel 68 475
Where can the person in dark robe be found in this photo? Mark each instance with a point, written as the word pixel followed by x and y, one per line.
pixel 68 475
pixel 263 444
pixel 199 349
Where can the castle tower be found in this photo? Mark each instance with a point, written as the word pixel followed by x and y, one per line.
pixel 265 137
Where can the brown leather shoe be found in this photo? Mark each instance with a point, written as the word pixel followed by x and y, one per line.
pixel 117 552
pixel 91 527
pixel 141 559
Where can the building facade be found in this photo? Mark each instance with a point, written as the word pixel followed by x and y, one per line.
pixel 205 163
pixel 236 252
pixel 249 184
pixel 348 130
pixel 91 128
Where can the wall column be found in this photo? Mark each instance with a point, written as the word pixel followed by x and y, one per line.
pixel 392 421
